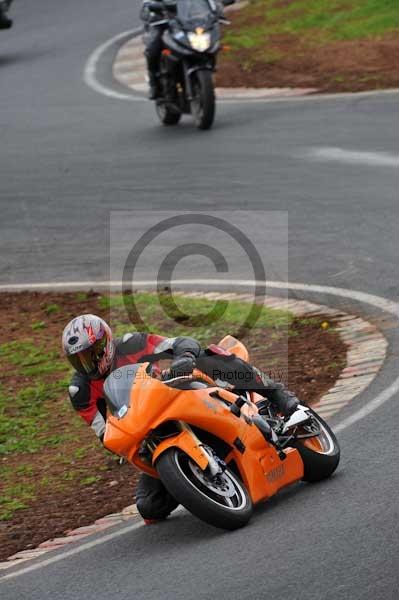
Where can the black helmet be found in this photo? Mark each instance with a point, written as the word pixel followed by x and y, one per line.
pixel 89 346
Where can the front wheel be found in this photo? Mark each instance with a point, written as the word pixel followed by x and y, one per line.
pixel 203 102
pixel 166 115
pixel 321 453
pixel 222 501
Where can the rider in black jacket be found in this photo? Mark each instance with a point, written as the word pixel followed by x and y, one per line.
pixel 151 14
pixel 155 13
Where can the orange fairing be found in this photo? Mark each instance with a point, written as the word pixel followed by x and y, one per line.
pixel 153 403
pixel 234 346
pixel 186 442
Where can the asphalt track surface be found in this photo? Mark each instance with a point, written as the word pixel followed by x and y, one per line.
pixel 68 156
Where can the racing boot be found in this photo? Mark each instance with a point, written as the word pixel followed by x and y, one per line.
pixel 282 400
pixel 5 21
pixel 286 402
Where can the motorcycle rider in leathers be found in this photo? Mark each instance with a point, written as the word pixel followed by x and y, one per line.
pixel 154 15
pixel 90 347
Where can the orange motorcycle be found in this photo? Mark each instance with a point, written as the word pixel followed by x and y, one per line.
pixel 217 452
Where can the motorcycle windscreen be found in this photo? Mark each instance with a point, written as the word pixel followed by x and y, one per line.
pixel 117 389
pixel 194 13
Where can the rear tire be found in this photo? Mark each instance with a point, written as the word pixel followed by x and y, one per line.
pixel 166 115
pixel 320 454
pixel 198 493
pixel 203 103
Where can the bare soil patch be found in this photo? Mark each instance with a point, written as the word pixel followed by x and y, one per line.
pixel 288 60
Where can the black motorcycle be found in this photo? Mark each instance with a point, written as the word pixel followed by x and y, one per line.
pixel 191 41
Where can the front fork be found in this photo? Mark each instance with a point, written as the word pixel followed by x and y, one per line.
pixel 191 445
pixel 213 465
pixel 188 72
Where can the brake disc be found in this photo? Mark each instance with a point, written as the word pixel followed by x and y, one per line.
pixel 221 484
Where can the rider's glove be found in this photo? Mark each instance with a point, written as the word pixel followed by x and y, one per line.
pixel 183 365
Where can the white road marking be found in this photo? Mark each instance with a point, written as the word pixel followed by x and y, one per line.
pixel 381 398
pixel 90 78
pixel 352 157
pixel 81 548
pixel 72 551
pixel 363 297
pixel 90 70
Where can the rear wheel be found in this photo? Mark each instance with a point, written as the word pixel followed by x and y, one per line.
pixel 321 453
pixel 203 102
pixel 222 501
pixel 166 115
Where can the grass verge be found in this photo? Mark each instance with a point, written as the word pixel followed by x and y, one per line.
pixel 329 44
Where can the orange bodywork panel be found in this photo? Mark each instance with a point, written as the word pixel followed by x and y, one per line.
pixel 186 442
pixel 234 346
pixel 153 403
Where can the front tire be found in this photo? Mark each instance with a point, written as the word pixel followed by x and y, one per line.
pixel 224 503
pixel 203 103
pixel 166 115
pixel 320 454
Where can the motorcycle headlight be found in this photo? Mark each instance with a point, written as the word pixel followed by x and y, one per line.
pixel 199 40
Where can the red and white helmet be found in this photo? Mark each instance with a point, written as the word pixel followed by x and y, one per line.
pixel 89 345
